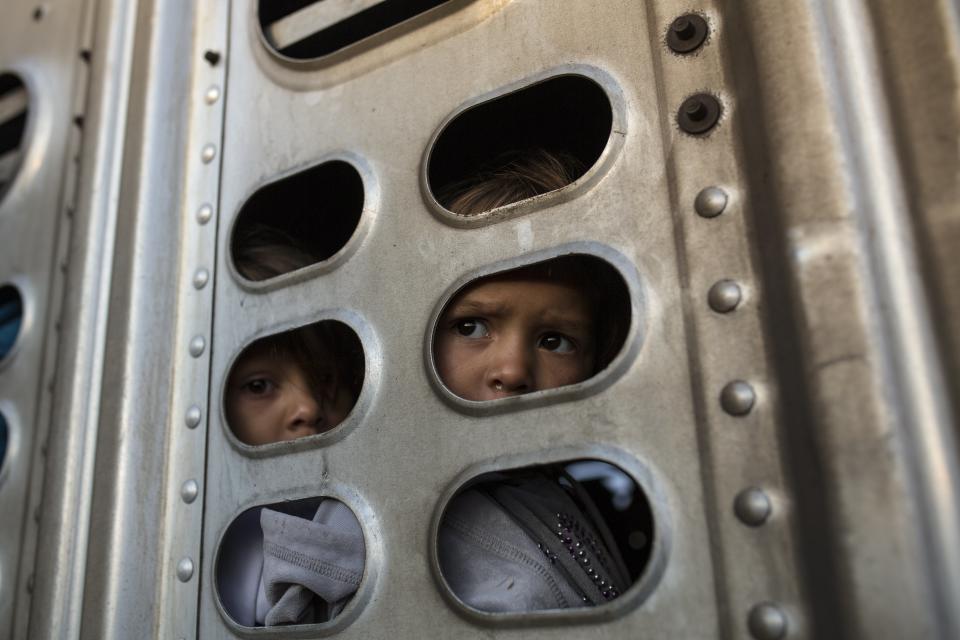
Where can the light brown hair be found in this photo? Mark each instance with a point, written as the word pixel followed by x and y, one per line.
pixel 513 177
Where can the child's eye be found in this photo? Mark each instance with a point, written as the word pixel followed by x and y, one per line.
pixel 472 328
pixel 556 342
pixel 258 386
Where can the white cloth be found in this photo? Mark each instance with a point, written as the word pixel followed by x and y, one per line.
pixel 282 567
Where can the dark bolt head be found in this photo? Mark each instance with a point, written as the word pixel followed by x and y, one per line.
pixel 687 33
pixel 695 109
pixel 698 114
pixel 213 57
pixel 682 27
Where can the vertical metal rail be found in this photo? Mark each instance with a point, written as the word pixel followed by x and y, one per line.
pixel 913 370
pixel 64 533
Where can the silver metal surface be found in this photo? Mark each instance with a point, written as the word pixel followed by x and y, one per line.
pixel 193 416
pixel 189 491
pixel 767 622
pixel 752 507
pixel 34 233
pixel 724 296
pixel 197 345
pixel 204 213
pixel 200 278
pixel 184 569
pixel 710 202
pixel 208 153
pixel 313 18
pixel 737 398
pixel 837 154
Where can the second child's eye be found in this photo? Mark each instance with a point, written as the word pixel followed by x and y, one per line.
pixel 472 328
pixel 556 342
pixel 258 386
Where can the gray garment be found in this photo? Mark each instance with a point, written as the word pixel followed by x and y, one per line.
pixel 311 568
pixel 524 544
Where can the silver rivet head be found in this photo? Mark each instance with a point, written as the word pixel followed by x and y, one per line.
pixel 724 296
pixel 208 153
pixel 737 398
pixel 185 569
pixel 212 94
pixel 752 507
pixel 197 345
pixel 189 491
pixel 193 417
pixel 767 622
pixel 204 213
pixel 711 202
pixel 200 278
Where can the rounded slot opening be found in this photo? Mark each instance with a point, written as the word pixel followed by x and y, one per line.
pixel 4 438
pixel 520 145
pixel 296 221
pixel 309 29
pixel 564 535
pixel 294 384
pixel 290 563
pixel 542 326
pixel 11 318
pixel 14 106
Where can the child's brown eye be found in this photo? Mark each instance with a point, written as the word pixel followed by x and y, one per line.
pixel 556 342
pixel 258 386
pixel 472 328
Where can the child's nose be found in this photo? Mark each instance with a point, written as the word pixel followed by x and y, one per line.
pixel 511 370
pixel 304 410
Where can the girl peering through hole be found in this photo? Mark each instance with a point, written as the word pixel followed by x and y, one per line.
pixel 293 563
pixel 529 539
pixel 298 383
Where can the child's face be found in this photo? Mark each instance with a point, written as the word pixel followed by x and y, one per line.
pixel 505 337
pixel 270 399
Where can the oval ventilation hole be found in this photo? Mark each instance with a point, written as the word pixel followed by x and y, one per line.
pixel 14 103
pixel 11 318
pixel 299 220
pixel 294 384
pixel 520 145
pixel 4 436
pixel 288 563
pixel 542 326
pixel 308 29
pixel 582 533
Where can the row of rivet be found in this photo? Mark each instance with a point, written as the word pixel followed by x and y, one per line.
pixel 697 115
pixel 190 489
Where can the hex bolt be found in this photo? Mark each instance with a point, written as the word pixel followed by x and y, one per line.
pixel 211 56
pixel 208 153
pixel 185 569
pixel 737 398
pixel 766 621
pixel 752 507
pixel 189 491
pixel 687 33
pixel 724 296
pixel 197 345
pixel 710 202
pixel 192 417
pixel 698 114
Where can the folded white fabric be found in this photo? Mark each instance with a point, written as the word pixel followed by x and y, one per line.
pixel 310 568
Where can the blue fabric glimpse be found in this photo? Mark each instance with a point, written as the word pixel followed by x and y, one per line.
pixel 11 316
